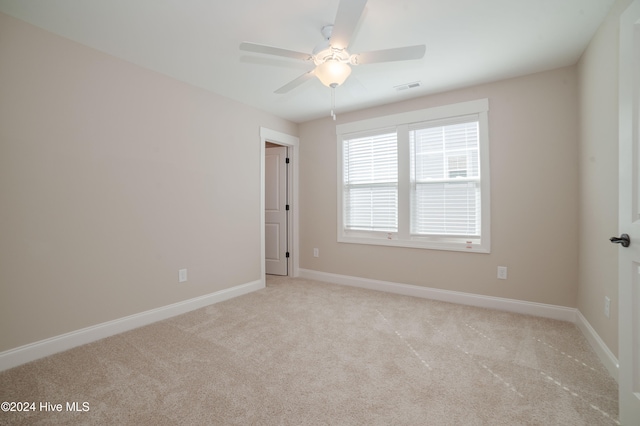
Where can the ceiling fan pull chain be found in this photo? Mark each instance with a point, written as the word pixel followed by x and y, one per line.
pixel 333 102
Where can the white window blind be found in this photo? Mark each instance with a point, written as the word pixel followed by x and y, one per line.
pixel 445 178
pixel 371 182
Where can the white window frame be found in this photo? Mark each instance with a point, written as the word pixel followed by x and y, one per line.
pixel 401 122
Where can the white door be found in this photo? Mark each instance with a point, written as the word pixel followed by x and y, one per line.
pixel 629 218
pixel 275 210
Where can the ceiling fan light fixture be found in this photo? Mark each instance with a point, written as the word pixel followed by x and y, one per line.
pixel 333 72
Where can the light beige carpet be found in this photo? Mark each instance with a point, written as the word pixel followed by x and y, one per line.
pixel 307 353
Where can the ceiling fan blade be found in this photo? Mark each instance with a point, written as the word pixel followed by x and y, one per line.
pixel 295 83
pixel 390 55
pixel 349 13
pixel 269 50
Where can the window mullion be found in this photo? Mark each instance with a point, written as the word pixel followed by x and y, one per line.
pixel 404 183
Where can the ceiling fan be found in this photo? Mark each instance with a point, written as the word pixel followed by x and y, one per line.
pixel 331 58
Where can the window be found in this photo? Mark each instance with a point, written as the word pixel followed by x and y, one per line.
pixel 418 179
pixel 445 178
pixel 371 182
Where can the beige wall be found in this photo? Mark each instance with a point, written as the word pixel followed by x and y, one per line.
pixel 533 125
pixel 112 178
pixel 598 272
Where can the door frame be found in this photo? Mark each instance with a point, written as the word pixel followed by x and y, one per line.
pixel 291 142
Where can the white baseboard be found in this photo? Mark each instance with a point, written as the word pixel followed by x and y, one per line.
pixel 518 306
pixel 21 355
pixel 30 352
pixel 606 356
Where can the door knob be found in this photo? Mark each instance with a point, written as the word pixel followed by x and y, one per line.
pixel 623 239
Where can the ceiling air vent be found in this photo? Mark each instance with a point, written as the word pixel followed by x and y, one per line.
pixel 408 86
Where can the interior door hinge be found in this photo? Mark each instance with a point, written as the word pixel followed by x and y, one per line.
pixel 287 255
pixel 287 161
pixel 287 207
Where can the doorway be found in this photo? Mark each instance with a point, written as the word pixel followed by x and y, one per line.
pixel 274 139
pixel 276 209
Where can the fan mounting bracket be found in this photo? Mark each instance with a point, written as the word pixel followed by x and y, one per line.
pixel 326 31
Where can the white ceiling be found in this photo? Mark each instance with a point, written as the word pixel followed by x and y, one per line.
pixel 196 41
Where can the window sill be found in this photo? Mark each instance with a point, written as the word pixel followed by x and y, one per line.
pixel 451 245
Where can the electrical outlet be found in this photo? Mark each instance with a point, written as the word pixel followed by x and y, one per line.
pixel 502 272
pixel 316 252
pixel 607 307
pixel 182 275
